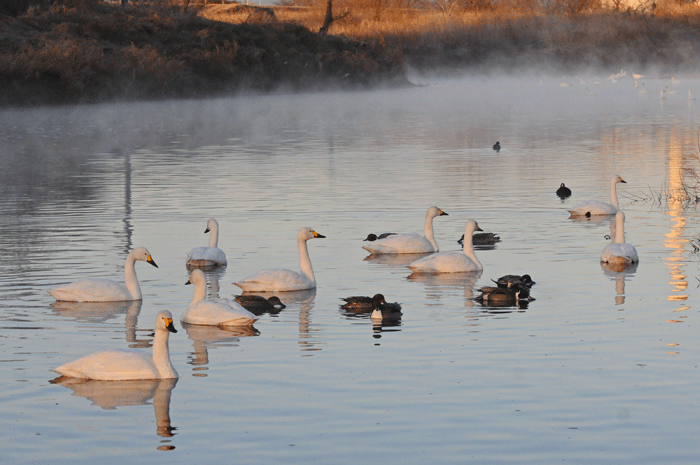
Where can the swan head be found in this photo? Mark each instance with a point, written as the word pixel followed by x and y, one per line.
pixel 197 277
pixel 212 225
pixel 471 227
pixel 164 321
pixel 141 253
pixel 307 233
pixel 616 178
pixel 435 211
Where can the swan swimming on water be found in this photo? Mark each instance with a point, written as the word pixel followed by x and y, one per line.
pixel 452 262
pixel 128 364
pixel 105 290
pixel 409 243
pixel 211 255
pixel 213 312
pixel 619 251
pixel 282 280
pixel 595 207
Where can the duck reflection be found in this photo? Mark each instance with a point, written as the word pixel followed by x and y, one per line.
pixel 100 312
pixel 112 394
pixel 305 300
pixel 205 337
pixel 619 272
pixel 439 284
pixel 385 325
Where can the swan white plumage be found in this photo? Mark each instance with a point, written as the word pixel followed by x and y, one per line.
pixel 127 364
pixel 213 312
pixel 409 243
pixel 211 255
pixel 595 207
pixel 452 262
pixel 619 251
pixel 283 280
pixel 105 290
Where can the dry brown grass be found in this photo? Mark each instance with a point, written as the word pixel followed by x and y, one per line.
pixel 430 38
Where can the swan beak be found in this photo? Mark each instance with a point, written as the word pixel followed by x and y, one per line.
pixel 317 235
pixel 189 281
pixel 442 213
pixel 169 325
pixel 622 180
pixel 206 230
pixel 478 228
pixel 150 260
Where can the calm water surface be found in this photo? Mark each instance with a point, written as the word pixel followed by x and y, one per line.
pixel 602 367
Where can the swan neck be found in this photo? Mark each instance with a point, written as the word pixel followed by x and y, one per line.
pixel 161 355
pixel 468 248
pixel 130 279
pixel 200 292
pixel 613 194
pixel 214 236
pixel 619 230
pixel 305 261
pixel 429 233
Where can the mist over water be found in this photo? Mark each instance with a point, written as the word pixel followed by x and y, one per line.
pixel 600 367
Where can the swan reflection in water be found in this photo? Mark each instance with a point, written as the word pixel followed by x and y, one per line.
pixel 112 394
pixel 213 275
pixel 619 272
pixel 101 312
pixel 439 284
pixel 205 337
pixel 400 260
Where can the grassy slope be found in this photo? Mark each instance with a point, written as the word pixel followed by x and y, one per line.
pixel 104 53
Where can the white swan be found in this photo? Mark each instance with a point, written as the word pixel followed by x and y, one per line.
pixel 105 290
pixel 126 364
pixel 213 312
pixel 452 262
pixel 208 256
pixel 594 207
pixel 409 243
pixel 282 280
pixel 619 251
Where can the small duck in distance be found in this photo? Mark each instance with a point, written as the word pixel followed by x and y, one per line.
pixel 258 304
pixel 384 310
pixel 563 191
pixel 366 304
pixel 497 146
pixel 504 296
pixel 509 280
pixel 371 237
pixel 482 238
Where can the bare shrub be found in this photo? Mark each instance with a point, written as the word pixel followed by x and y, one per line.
pixel 148 63
pixel 66 60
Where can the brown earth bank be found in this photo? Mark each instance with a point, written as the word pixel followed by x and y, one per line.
pixel 103 52
pixel 75 51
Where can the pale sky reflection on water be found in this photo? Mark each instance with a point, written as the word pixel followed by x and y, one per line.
pixel 600 367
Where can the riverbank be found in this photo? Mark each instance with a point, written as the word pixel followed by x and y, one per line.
pixel 105 53
pixel 101 52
